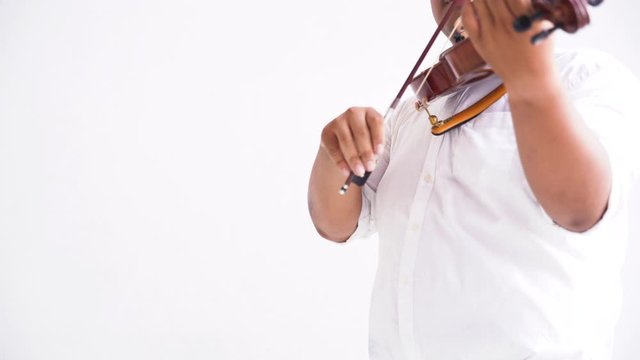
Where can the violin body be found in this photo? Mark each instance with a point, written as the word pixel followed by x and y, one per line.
pixel 457 67
pixel 461 65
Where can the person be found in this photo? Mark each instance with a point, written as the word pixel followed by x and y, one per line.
pixel 503 238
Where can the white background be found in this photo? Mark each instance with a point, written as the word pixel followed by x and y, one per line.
pixel 154 158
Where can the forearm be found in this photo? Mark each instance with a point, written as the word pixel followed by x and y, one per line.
pixel 565 165
pixel 335 216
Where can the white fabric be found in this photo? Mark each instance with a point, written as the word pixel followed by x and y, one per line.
pixel 470 267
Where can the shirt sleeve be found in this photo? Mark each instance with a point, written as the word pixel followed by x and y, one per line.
pixel 601 90
pixel 366 222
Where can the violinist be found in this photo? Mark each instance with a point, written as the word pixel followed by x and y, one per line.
pixel 502 238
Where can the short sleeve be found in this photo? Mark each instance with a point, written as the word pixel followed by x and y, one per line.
pixel 600 89
pixel 366 221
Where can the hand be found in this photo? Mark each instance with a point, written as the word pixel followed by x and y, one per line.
pixel 520 64
pixel 354 139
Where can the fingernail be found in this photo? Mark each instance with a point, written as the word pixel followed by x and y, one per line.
pixel 379 149
pixel 345 171
pixel 371 165
pixel 359 170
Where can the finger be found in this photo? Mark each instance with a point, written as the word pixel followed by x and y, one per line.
pixel 470 20
pixel 375 122
pixel 362 139
pixel 510 7
pixel 348 148
pixel 331 146
pixel 519 7
pixel 504 15
pixel 485 14
pixel 525 7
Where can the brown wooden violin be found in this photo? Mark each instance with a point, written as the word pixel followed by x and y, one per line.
pixel 461 65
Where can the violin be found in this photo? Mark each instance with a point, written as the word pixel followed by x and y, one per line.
pixel 461 65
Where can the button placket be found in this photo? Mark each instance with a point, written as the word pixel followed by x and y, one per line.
pixel 409 251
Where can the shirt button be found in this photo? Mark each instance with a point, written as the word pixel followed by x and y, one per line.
pixel 428 179
pixel 404 280
pixel 414 227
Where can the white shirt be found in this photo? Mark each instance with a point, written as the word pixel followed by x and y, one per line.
pixel 470 266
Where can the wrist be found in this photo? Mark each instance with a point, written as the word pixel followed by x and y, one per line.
pixel 536 69
pixel 537 87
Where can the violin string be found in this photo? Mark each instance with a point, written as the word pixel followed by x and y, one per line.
pixel 410 78
pixel 425 105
